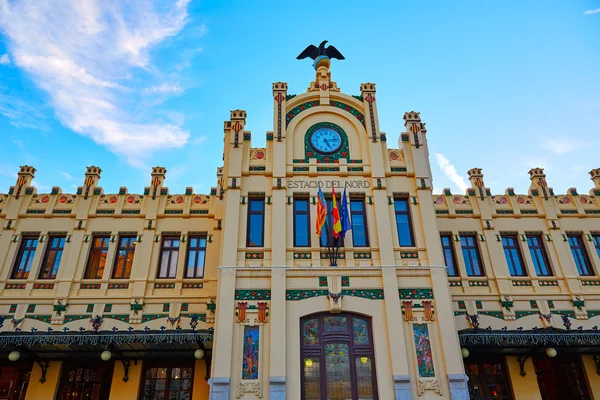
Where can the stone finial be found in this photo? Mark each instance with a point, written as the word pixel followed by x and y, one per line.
pixel 238 115
pixel 92 176
pixel 158 176
pixel 280 87
pixel 24 177
pixel 538 181
pixel 595 176
pixel 412 116
pixel 476 179
pixel 536 173
pixel 367 88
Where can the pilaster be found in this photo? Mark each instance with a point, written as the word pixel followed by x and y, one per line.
pixel 278 336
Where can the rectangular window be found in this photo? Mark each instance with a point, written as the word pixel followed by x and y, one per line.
pixel 24 257
pixel 488 378
pixel 97 259
pixel 196 255
pixel 512 252
pixel 580 254
pixel 539 255
pixel 256 223
pixel 360 238
pixel 54 252
pixel 327 238
pixel 124 260
pixel 470 252
pixel 449 256
pixel 165 381
pixel 597 243
pixel 403 223
pixel 169 254
pixel 301 223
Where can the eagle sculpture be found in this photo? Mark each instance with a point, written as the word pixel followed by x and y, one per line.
pixel 315 52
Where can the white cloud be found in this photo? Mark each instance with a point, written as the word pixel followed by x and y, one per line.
pixel 20 113
pixel 40 188
pixel 559 146
pixel 82 53
pixel 450 171
pixel 590 12
pixel 164 88
pixel 66 176
pixel 4 59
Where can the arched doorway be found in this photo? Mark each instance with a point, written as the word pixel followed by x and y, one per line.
pixel 338 361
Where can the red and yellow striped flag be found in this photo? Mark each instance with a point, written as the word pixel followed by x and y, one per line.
pixel 335 212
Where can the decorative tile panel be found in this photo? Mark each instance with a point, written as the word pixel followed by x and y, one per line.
pixel 15 286
pixel 198 285
pixel 295 295
pixel 345 281
pixel 324 256
pixel 496 314
pixel 302 255
pixel 588 282
pixel 521 283
pixel 373 294
pixel 410 255
pixel 478 283
pixel 416 293
pixel 164 286
pixel 362 255
pixel 43 285
pixel 257 294
pixel 89 286
pixel 118 285
pixel 322 281
pixel 255 255
pixel 548 283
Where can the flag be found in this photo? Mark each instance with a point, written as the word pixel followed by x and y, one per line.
pixel 335 213
pixel 345 216
pixel 321 212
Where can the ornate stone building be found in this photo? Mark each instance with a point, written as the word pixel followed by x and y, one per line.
pixel 433 297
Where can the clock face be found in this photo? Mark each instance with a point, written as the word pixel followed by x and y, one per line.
pixel 326 140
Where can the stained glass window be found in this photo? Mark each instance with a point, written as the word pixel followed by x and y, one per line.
pixel 312 378
pixel 337 366
pixel 337 358
pixel 335 324
pixel 167 383
pixel 364 378
pixel 360 331
pixel 310 331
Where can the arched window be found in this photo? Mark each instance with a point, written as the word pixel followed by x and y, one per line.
pixel 337 357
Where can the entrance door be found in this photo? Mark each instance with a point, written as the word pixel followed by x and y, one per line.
pixel 487 378
pixel 13 382
pixel 337 358
pixel 561 378
pixel 85 381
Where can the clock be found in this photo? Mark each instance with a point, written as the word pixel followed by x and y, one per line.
pixel 326 140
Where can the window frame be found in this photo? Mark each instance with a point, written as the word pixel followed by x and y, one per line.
pixel 450 247
pixel 57 250
pixel 409 219
pixel 129 250
pixel 30 249
pixel 363 212
pixel 534 255
pixel 513 255
pixel 585 255
pixel 306 214
pixel 596 241
pixel 250 213
pixel 197 248
pixel 169 364
pixel 490 359
pixel 88 267
pixel 317 351
pixel 475 247
pixel 170 249
pixel 328 227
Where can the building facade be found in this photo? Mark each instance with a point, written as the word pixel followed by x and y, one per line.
pixel 434 296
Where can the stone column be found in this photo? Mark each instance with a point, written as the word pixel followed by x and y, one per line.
pixel 277 335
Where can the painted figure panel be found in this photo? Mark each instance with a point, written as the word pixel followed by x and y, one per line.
pixel 310 331
pixel 250 352
pixel 423 348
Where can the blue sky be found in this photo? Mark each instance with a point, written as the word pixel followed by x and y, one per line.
pixel 502 85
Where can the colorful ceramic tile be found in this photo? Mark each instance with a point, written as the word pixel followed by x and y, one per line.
pixel 250 352
pixel 423 348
